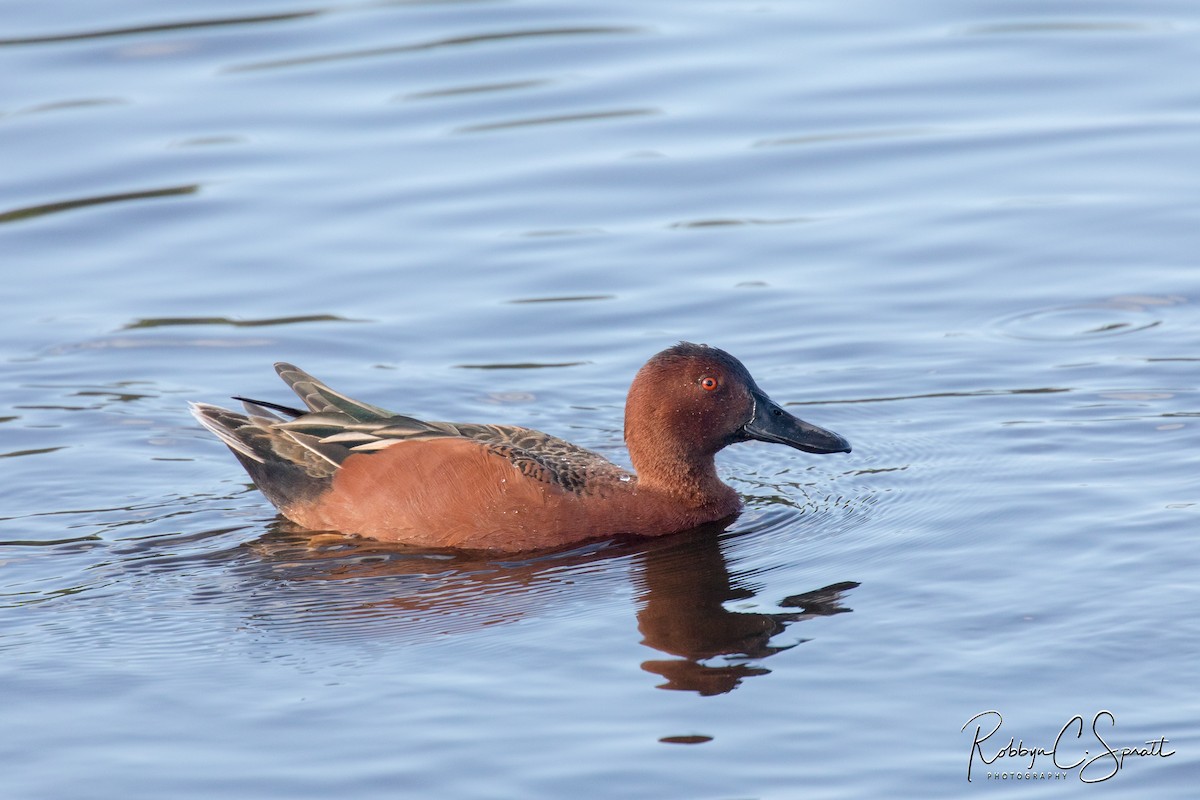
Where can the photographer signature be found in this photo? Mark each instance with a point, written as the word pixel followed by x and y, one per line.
pixel 1092 768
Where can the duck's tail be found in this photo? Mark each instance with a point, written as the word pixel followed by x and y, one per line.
pixel 284 468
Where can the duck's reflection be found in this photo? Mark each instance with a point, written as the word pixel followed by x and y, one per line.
pixel 683 585
pixel 684 588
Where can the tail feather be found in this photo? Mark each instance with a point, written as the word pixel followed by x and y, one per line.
pixel 225 425
pixel 319 397
pixel 258 408
pixel 288 452
pixel 288 467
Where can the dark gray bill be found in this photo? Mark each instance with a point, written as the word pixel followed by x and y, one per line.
pixel 771 423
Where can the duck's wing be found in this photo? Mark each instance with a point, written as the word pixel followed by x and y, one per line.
pixel 538 455
pixel 544 457
pixel 337 427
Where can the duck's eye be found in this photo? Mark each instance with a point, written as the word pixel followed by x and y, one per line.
pixel 708 384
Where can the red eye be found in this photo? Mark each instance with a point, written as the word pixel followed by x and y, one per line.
pixel 709 384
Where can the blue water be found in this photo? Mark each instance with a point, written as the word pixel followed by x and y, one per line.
pixel 962 235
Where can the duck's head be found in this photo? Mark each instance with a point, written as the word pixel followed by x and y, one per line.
pixel 692 400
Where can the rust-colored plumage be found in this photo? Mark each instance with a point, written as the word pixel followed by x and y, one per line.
pixel 346 466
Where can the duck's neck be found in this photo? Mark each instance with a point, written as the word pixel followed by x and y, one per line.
pixel 688 478
pixel 671 457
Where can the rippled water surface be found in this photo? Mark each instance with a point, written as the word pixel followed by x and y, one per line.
pixel 961 234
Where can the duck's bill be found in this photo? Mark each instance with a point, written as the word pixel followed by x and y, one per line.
pixel 771 423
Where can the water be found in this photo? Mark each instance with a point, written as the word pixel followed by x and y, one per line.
pixel 962 235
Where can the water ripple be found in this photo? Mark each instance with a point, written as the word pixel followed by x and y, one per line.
pixel 434 44
pixel 28 212
pixel 558 119
pixel 1118 316
pixel 1066 26
pixel 167 322
pixel 475 88
pixel 164 27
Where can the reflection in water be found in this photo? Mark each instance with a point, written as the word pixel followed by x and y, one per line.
pixel 383 588
pixel 683 591
pixel 682 582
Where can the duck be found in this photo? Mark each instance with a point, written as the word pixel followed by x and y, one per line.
pixel 342 465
